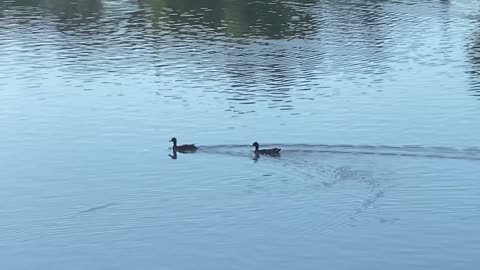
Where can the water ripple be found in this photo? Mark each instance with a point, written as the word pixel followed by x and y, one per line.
pixel 467 153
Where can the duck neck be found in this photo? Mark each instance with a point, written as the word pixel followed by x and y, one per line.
pixel 174 143
pixel 256 148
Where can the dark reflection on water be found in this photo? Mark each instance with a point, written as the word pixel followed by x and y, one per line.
pixel 270 19
pixel 264 49
pixel 246 18
pixel 473 53
pixel 68 14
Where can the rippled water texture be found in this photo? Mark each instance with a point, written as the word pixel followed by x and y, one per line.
pixel 375 104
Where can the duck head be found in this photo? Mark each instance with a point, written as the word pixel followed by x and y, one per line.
pixel 256 145
pixel 174 140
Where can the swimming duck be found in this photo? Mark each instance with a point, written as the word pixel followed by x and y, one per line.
pixel 182 148
pixel 271 152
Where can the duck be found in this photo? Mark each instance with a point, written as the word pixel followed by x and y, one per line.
pixel 182 148
pixel 271 151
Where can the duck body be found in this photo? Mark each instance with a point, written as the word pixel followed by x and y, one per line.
pixel 271 151
pixel 182 148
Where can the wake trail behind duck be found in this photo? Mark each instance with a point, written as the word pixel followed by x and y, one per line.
pixel 441 152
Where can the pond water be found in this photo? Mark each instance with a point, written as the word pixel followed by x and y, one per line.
pixel 375 104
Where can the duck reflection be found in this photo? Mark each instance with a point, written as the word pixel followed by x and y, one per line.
pixel 255 157
pixel 174 156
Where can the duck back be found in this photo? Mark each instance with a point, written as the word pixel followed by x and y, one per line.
pixel 185 148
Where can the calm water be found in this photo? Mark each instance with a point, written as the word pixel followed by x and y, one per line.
pixel 376 105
